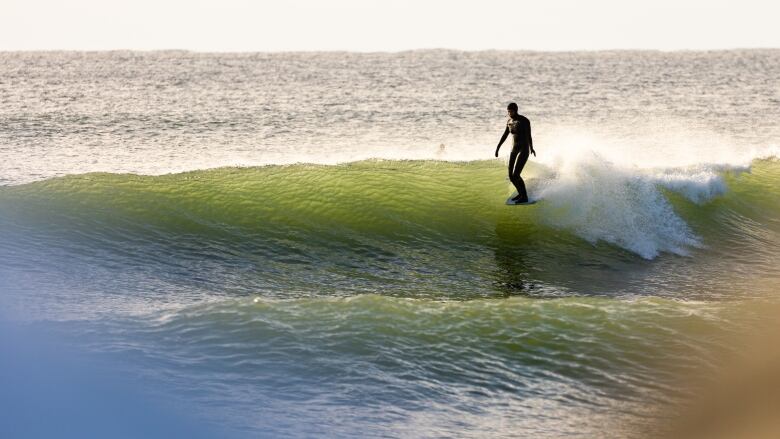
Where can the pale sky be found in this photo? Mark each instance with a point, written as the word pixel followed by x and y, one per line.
pixel 391 25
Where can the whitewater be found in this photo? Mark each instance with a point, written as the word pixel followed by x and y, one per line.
pixel 305 244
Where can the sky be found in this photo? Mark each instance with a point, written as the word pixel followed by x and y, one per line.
pixel 390 25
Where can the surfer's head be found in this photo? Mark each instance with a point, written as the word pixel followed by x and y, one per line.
pixel 511 108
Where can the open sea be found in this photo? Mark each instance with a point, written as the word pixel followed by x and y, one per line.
pixel 316 244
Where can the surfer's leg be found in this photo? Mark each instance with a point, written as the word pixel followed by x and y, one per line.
pixel 512 160
pixel 522 195
pixel 512 175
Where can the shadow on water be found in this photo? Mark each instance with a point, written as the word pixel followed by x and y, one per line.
pixel 515 250
pixel 536 261
pixel 513 277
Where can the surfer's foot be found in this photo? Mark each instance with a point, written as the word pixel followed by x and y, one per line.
pixel 519 199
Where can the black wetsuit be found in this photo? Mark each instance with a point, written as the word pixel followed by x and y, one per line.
pixel 521 149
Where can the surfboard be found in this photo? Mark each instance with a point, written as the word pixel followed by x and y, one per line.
pixel 510 202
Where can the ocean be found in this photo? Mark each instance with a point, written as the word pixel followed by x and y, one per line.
pixel 316 244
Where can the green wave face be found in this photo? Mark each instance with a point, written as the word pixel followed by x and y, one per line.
pixel 405 228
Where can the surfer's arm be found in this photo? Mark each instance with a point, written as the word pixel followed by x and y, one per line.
pixel 530 139
pixel 503 138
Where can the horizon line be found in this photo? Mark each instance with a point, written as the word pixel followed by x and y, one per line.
pixel 432 49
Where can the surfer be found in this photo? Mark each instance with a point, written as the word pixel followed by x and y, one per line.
pixel 522 148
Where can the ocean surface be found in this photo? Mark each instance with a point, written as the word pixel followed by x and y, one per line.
pixel 316 244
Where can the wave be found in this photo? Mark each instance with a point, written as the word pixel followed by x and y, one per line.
pixel 428 201
pixel 597 331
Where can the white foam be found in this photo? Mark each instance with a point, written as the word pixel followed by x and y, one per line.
pixel 609 188
pixel 599 201
pixel 698 184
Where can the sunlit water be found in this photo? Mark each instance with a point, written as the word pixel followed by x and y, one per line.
pixel 316 244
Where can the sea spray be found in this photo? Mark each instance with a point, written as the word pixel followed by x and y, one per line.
pixel 599 201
